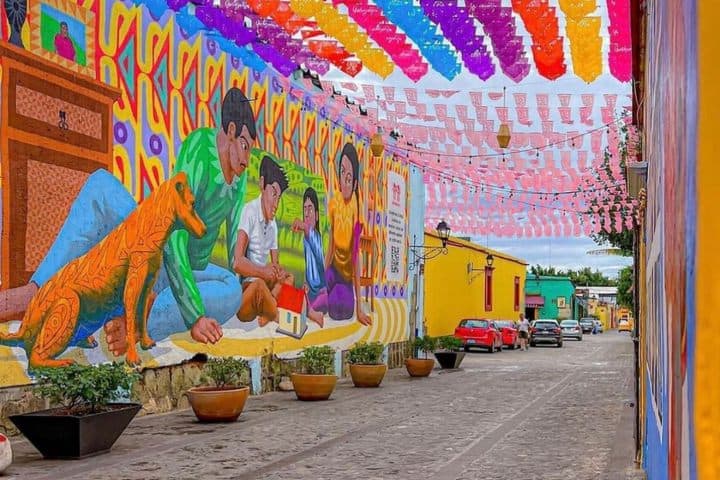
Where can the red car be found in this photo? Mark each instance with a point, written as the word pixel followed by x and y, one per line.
pixel 509 332
pixel 479 333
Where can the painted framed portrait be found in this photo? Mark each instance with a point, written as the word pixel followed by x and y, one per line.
pixel 63 32
pixel 561 302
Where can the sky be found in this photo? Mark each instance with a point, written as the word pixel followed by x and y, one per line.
pixel 559 252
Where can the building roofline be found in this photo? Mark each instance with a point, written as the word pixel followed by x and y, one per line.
pixel 454 241
pixel 530 276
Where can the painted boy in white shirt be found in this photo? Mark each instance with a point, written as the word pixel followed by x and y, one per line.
pixel 256 250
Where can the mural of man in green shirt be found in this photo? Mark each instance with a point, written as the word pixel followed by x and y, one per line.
pixel 190 293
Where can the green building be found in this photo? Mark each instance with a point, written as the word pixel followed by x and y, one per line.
pixel 549 297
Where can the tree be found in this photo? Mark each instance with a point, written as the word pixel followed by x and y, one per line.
pixel 586 276
pixel 622 240
pixel 614 198
pixel 544 271
pixel 581 277
pixel 625 296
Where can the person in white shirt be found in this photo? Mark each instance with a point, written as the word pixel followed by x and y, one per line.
pixel 256 251
pixel 524 331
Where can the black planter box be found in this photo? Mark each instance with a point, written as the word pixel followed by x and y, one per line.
pixel 449 359
pixel 72 437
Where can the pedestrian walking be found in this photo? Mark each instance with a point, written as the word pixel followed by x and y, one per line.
pixel 524 330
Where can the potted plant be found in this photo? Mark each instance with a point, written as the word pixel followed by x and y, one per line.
pixel 421 367
pixel 87 422
pixel 6 455
pixel 366 366
pixel 224 399
pixel 318 379
pixel 448 356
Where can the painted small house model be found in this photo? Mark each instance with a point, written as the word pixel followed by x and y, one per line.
pixel 292 312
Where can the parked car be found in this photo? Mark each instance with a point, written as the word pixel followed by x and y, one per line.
pixel 509 332
pixel 479 333
pixel 598 326
pixel 587 324
pixel 624 326
pixel 571 329
pixel 546 331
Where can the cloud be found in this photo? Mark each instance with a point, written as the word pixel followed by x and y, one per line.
pixel 561 253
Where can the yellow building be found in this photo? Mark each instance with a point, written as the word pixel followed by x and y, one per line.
pixel 604 314
pixel 461 285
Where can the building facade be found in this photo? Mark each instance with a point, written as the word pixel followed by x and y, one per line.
pixel 678 277
pixel 598 302
pixel 549 297
pixel 461 284
pixel 606 295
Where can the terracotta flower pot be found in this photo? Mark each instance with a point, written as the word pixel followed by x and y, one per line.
pixel 419 367
pixel 212 404
pixel 367 375
pixel 5 453
pixel 313 387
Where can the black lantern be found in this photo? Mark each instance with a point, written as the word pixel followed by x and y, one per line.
pixel 443 232
pixel 422 253
pixel 489 259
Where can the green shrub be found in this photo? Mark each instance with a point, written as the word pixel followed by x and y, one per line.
pixel 318 360
pixel 366 353
pixel 84 388
pixel 226 371
pixel 426 344
pixel 449 343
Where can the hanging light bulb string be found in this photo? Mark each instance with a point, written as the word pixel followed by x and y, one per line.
pixel 585 211
pixel 502 189
pixel 528 203
pixel 420 151
pixel 619 184
pixel 513 191
pixel 438 154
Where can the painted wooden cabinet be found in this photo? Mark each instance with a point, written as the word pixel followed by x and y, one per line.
pixel 55 130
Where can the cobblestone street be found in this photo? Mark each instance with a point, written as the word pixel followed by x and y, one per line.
pixel 546 414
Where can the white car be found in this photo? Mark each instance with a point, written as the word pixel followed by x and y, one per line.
pixel 571 329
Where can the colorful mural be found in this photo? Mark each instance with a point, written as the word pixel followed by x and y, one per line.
pixel 280 241
pixel 670 235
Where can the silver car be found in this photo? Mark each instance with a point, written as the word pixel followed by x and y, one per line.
pixel 571 329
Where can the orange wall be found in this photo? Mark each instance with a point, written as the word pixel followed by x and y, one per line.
pixel 707 341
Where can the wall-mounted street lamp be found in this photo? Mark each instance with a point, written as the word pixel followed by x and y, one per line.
pixel 376 144
pixel 489 260
pixel 422 253
pixel 636 177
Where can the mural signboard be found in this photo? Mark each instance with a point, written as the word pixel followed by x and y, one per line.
pixel 396 221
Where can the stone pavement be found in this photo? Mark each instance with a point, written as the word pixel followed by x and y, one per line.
pixel 545 414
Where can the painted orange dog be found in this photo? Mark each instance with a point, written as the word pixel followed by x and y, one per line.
pixel 121 269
